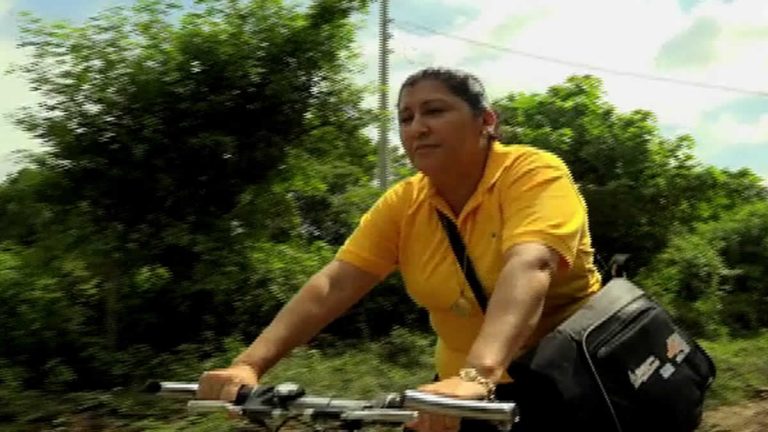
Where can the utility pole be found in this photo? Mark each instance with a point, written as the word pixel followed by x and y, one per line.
pixel 383 92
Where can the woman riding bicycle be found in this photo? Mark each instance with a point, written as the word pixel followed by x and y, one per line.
pixel 526 232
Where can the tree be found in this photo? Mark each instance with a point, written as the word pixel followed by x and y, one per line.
pixel 713 277
pixel 640 186
pixel 174 149
pixel 172 125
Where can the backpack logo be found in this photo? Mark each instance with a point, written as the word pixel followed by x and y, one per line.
pixel 677 347
pixel 640 375
pixel 667 370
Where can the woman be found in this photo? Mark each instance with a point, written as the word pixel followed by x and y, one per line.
pixel 520 215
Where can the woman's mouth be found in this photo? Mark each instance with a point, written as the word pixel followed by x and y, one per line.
pixel 425 147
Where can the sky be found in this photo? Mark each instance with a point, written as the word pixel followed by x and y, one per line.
pixel 645 51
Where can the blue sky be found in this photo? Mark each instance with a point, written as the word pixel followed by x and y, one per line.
pixel 723 42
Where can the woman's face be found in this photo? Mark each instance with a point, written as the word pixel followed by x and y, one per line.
pixel 438 130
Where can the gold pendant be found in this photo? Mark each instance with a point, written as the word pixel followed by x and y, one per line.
pixel 461 307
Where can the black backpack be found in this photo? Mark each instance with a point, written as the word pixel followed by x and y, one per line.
pixel 619 364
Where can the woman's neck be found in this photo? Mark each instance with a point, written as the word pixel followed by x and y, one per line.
pixel 457 187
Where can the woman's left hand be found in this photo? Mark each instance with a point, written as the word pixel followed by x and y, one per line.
pixel 451 387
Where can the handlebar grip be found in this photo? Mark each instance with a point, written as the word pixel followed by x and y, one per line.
pixel 189 389
pixel 494 411
pixel 171 388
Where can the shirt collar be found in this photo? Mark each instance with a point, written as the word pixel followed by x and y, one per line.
pixel 494 167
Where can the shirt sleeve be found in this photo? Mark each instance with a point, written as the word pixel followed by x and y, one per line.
pixel 373 245
pixel 542 204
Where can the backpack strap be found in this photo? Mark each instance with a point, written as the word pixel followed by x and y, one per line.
pixel 460 252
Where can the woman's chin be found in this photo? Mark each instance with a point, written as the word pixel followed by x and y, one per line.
pixel 427 164
pixel 428 168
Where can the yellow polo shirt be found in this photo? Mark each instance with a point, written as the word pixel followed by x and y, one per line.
pixel 525 195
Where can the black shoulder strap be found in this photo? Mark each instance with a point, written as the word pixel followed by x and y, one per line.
pixel 465 263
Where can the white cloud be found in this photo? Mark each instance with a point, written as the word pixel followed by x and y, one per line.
pixel 727 128
pixel 15 94
pixel 624 36
pixel 5 7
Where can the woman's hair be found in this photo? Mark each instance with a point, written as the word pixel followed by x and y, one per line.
pixel 461 84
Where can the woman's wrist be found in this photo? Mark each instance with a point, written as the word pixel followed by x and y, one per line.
pixel 244 360
pixel 471 374
pixel 488 369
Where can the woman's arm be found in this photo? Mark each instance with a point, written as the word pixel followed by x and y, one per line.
pixel 514 309
pixel 324 297
pixel 327 295
pixel 513 312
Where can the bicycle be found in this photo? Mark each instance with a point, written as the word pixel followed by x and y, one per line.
pixel 264 406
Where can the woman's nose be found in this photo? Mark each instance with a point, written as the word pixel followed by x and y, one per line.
pixel 417 126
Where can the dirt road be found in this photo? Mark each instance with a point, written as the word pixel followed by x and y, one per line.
pixel 746 417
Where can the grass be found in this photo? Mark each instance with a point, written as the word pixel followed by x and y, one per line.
pixel 364 370
pixel 742 368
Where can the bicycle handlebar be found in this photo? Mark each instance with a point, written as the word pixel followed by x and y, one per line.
pixel 265 402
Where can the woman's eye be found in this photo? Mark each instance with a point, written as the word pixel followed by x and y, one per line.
pixel 404 120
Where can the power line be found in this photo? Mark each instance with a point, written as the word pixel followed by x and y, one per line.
pixel 398 23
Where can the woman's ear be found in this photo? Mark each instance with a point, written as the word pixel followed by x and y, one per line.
pixel 489 120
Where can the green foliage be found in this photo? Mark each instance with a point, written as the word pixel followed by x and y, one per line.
pixel 688 277
pixel 401 360
pixel 714 278
pixel 744 238
pixel 639 185
pixel 279 270
pixel 741 368
pixel 151 124
pixel 368 370
pixel 200 165
pixel 40 326
pixel 195 162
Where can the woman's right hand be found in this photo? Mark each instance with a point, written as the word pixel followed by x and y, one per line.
pixel 223 384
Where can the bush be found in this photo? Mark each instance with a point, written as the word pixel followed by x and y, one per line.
pixel 715 278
